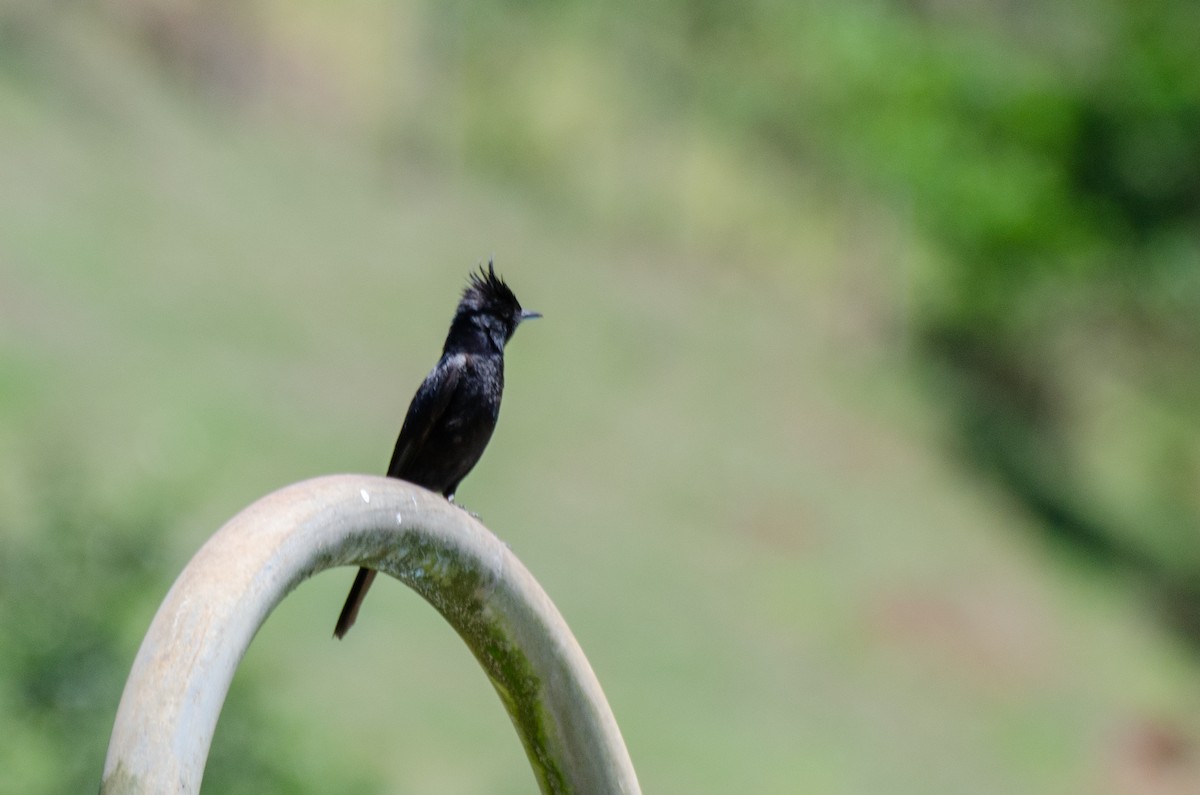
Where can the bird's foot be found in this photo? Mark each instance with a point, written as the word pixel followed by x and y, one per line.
pixel 461 507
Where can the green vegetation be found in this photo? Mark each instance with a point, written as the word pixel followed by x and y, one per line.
pixel 860 446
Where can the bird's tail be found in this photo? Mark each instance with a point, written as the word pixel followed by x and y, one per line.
pixel 358 591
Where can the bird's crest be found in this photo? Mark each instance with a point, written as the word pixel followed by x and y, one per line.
pixel 487 290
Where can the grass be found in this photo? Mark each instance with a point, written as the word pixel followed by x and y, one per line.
pixel 711 454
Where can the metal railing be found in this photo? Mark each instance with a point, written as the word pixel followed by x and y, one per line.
pixel 182 672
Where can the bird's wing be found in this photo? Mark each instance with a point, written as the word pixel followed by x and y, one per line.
pixel 424 414
pixel 425 411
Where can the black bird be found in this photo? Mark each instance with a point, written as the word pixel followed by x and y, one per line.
pixel 453 414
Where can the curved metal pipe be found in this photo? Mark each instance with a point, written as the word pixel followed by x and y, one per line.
pixel 175 691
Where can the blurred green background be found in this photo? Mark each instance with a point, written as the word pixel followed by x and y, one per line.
pixel 860 444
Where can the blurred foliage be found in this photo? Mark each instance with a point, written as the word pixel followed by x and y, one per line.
pixel 65 606
pixel 79 578
pixel 1047 153
pixel 1042 158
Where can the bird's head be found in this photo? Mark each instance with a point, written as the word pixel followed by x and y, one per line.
pixel 488 312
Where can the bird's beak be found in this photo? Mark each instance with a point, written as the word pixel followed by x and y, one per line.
pixel 529 314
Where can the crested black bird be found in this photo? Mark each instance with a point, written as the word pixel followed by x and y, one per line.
pixel 453 414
